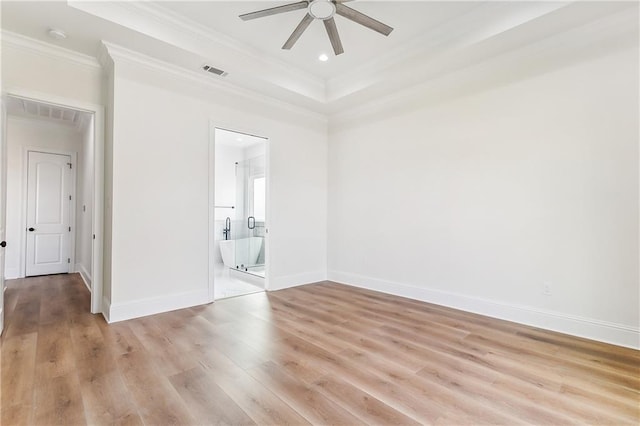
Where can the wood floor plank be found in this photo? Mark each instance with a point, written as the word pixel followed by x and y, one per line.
pixel 258 402
pixel 54 309
pixel 323 353
pixel 156 399
pixel 25 318
pixel 54 352
pixel 107 400
pixel 369 409
pixel 441 400
pixel 58 401
pixel 255 399
pixel 19 414
pixel 306 400
pixel 18 374
pixel 206 401
pixel 119 338
pixel 169 358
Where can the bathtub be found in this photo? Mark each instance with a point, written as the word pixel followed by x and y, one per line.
pixel 243 251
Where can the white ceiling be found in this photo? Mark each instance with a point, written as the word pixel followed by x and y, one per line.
pixel 431 40
pixel 28 108
pixel 362 45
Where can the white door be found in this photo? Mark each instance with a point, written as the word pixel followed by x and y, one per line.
pixel 48 212
pixel 3 203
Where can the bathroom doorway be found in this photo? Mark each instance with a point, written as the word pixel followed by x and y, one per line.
pixel 239 249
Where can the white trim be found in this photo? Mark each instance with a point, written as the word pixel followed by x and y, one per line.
pixel 106 308
pixel 97 220
pixel 167 17
pixel 72 213
pixel 155 305
pixel 212 210
pixel 86 276
pixel 12 273
pixel 3 203
pixel 164 25
pixel 513 65
pixel 98 177
pixel 279 283
pixel 48 50
pixel 267 215
pixel 617 334
pixel 119 53
pixel 212 198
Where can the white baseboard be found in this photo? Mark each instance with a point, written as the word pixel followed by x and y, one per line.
pixel 106 308
pixel 155 305
pixel 86 276
pixel 279 283
pixel 617 334
pixel 12 273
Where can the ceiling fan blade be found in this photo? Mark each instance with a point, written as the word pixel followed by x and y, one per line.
pixel 363 19
pixel 332 31
pixel 274 10
pixel 295 35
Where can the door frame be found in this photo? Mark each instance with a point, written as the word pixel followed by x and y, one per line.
pixel 72 213
pixel 213 125
pixel 97 220
pixel 3 202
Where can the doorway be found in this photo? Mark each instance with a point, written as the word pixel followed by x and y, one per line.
pixel 238 234
pixel 46 232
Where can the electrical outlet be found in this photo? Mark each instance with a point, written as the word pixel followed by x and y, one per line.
pixel 546 288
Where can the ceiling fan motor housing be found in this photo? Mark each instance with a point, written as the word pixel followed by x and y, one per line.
pixel 321 9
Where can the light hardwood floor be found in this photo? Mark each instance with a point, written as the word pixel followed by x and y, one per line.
pixel 320 354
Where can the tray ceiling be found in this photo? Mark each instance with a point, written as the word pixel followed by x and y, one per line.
pixel 431 39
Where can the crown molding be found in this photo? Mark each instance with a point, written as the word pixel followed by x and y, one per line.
pixel 163 25
pixel 119 53
pixel 48 50
pixel 608 35
pixel 483 22
pixel 165 16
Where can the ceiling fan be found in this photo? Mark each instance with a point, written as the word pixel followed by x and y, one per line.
pixel 322 10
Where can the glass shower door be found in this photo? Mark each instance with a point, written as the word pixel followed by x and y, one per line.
pixel 242 231
pixel 256 220
pixel 250 200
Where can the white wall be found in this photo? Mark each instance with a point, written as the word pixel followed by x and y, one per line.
pixel 28 133
pixel 45 71
pixel 108 183
pixel 477 202
pixel 48 69
pixel 225 182
pixel 160 188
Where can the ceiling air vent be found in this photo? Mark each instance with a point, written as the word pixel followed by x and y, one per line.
pixel 213 70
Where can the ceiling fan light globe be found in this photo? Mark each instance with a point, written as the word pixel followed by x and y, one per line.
pixel 322 9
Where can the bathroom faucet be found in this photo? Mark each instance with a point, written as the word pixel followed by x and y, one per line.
pixel 227 228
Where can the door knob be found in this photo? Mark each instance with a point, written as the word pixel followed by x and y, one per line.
pixel 3 244
pixel 31 229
